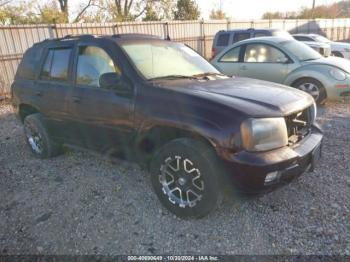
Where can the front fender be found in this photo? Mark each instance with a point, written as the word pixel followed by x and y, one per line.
pixel 318 72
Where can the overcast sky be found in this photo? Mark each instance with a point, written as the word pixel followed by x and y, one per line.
pixel 243 9
pixel 254 9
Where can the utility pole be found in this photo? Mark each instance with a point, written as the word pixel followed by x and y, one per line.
pixel 313 8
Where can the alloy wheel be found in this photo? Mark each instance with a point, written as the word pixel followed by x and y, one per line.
pixel 181 181
pixel 311 89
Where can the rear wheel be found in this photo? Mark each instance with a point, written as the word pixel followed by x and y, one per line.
pixel 38 139
pixel 185 177
pixel 313 88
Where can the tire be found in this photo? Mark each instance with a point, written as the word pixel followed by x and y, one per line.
pixel 337 54
pixel 38 139
pixel 170 168
pixel 313 88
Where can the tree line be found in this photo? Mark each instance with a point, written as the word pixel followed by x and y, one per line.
pixel 337 10
pixel 60 11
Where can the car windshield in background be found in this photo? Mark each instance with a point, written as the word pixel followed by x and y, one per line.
pixel 322 39
pixel 163 59
pixel 300 50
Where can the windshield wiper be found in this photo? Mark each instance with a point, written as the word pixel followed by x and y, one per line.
pixel 172 77
pixel 208 74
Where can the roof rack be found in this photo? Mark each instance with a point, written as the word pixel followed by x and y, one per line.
pixel 85 36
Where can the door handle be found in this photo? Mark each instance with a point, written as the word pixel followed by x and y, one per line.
pixel 243 67
pixel 39 93
pixel 76 99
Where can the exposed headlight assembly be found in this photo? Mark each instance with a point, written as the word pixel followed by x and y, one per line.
pixel 337 74
pixel 261 134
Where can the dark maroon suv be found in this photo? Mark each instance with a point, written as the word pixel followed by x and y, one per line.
pixel 160 103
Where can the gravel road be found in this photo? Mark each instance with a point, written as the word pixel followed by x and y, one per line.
pixel 84 203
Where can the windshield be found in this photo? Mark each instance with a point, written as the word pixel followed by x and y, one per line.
pixel 301 50
pixel 322 39
pixel 157 59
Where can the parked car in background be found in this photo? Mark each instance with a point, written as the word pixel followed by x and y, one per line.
pixel 338 49
pixel 225 38
pixel 287 61
pixel 160 103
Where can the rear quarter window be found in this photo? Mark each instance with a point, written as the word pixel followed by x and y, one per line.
pixel 240 36
pixel 30 63
pixel 223 40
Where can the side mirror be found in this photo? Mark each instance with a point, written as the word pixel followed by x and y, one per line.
pixel 114 81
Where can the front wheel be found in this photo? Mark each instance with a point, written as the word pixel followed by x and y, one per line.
pixel 185 177
pixel 313 88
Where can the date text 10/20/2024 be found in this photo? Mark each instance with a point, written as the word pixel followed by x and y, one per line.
pixel 173 258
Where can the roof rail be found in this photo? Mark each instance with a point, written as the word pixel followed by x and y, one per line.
pixel 84 36
pixel 130 35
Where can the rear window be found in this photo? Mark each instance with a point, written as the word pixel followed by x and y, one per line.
pixel 223 40
pixel 56 65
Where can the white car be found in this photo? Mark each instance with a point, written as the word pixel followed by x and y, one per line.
pixel 339 49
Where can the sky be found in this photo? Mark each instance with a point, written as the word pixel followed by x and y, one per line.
pixel 242 9
pixel 254 9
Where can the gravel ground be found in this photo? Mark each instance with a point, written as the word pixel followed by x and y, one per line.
pixel 83 203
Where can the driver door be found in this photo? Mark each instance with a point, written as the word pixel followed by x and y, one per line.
pixel 102 117
pixel 265 62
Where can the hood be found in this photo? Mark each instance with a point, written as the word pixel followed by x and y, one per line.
pixel 338 62
pixel 255 98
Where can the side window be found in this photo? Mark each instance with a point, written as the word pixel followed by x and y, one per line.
pixel 45 72
pixel 304 39
pixel 261 53
pixel 240 36
pixel 232 55
pixel 92 63
pixel 261 34
pixel 56 65
pixel 223 40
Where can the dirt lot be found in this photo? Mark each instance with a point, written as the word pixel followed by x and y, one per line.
pixel 83 203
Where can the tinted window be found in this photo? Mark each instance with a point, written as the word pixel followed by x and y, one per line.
pixel 223 40
pixel 261 53
pixel 30 63
pixel 240 36
pixel 261 34
pixel 303 38
pixel 56 65
pixel 231 56
pixel 92 63
pixel 45 73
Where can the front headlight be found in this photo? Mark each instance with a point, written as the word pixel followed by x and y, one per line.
pixel 337 74
pixel 261 134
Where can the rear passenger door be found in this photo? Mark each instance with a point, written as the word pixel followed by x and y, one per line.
pixel 53 89
pixel 103 118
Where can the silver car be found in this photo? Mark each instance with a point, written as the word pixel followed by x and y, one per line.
pixel 289 62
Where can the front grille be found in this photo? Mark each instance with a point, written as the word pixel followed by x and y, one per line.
pixel 298 125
